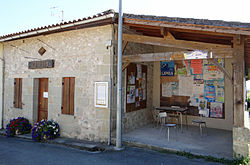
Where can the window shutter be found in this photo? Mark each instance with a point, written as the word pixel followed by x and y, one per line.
pixel 20 93
pixel 65 100
pixel 17 93
pixel 71 95
pixel 16 84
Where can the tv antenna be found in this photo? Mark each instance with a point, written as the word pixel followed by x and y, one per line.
pixel 55 11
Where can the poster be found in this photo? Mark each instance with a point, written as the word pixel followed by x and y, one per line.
pixel 167 68
pixel 194 100
pixel 196 66
pixel 181 71
pixel 137 92
pixel 186 86
pixel 131 95
pixel 131 78
pixel 139 71
pixel 101 94
pixel 202 105
pixel 216 110
pixel 175 88
pixel 209 93
pixel 166 90
pixel 140 94
pixel 211 71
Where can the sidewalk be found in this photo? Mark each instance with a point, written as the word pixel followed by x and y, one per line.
pixel 74 143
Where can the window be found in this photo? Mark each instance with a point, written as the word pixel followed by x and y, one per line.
pixel 68 95
pixel 17 93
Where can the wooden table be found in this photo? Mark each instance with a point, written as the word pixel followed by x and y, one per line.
pixel 174 109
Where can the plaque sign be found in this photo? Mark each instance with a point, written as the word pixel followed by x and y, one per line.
pixel 41 64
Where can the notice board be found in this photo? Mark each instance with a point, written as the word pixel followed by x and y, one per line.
pixel 136 87
pixel 191 82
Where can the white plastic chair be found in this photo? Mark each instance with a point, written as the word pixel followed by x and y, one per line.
pixel 163 117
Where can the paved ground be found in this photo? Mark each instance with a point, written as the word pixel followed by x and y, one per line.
pixel 214 142
pixel 27 152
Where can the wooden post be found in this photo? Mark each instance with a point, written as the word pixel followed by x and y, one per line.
pixel 239 81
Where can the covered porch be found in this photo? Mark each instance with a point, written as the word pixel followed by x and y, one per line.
pixel 149 42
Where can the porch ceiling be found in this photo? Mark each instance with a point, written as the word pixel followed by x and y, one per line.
pixel 180 34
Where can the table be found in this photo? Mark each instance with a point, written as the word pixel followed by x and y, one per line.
pixel 175 109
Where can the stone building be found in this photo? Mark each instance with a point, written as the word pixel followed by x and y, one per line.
pixel 51 72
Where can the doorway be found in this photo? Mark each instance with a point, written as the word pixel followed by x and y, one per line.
pixel 43 99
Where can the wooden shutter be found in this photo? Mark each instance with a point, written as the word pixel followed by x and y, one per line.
pixel 18 93
pixel 68 95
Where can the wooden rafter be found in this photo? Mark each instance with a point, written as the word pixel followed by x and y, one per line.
pixel 124 66
pixel 124 46
pixel 189 45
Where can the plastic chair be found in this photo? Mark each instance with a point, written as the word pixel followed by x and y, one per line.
pixel 163 117
pixel 201 122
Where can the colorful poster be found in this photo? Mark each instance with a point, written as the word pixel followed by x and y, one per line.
pixel 210 71
pixel 216 110
pixel 209 93
pixel 131 95
pixel 140 94
pixel 139 71
pixel 131 78
pixel 202 105
pixel 181 71
pixel 167 68
pixel 196 66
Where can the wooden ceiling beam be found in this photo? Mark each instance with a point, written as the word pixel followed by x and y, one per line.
pixel 189 45
pixel 167 56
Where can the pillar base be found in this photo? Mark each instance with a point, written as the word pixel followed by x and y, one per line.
pixel 241 141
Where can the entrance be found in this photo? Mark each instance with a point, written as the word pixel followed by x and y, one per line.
pixel 43 99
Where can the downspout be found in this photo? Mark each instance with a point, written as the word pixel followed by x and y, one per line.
pixel 110 109
pixel 3 68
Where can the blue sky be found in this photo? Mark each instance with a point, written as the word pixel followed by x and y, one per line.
pixel 19 15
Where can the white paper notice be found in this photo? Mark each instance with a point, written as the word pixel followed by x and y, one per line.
pixel 101 95
pixel 166 90
pixel 45 94
pixel 198 89
pixel 186 86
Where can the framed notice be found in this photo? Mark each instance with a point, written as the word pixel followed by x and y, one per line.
pixel 101 94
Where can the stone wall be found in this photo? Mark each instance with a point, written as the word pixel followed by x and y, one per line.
pixel 82 54
pixel 1 84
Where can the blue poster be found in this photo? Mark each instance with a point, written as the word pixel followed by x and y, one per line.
pixel 209 93
pixel 167 68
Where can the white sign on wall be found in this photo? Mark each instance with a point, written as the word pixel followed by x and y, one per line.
pixel 45 94
pixel 101 94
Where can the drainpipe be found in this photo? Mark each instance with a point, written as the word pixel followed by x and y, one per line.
pixel 2 112
pixel 119 82
pixel 110 109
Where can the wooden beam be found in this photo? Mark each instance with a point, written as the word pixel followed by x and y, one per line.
pixel 150 57
pixel 124 45
pixel 124 66
pixel 189 45
pixel 166 34
pixel 221 68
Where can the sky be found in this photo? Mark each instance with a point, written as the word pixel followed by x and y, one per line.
pixel 19 15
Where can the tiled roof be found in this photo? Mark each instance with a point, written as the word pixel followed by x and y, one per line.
pixel 63 24
pixel 190 21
